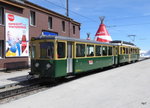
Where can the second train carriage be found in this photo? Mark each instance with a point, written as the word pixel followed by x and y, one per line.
pixel 57 56
pixel 127 52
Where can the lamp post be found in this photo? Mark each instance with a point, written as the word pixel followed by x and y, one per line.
pixel 67 8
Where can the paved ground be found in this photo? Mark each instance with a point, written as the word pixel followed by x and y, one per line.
pixel 123 87
pixel 12 77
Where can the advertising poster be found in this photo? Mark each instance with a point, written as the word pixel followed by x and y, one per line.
pixel 17 36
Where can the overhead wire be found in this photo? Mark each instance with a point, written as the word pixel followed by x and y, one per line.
pixel 62 3
pixel 107 18
pixel 127 17
pixel 129 25
pixel 71 11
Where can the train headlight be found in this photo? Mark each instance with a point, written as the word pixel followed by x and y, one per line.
pixel 36 65
pixel 48 66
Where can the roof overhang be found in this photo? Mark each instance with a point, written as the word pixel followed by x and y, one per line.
pixel 15 3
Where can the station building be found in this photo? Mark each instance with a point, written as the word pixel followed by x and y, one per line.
pixel 19 21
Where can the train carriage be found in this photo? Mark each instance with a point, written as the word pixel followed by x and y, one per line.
pixel 57 56
pixel 127 52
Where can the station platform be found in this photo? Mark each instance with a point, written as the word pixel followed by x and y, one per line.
pixel 122 87
pixel 13 77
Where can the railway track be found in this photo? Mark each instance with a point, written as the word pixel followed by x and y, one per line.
pixel 27 88
pixel 10 93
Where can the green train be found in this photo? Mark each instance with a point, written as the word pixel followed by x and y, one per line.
pixel 56 56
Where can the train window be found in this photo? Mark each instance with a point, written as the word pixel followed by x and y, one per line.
pixel 120 50
pixel 123 50
pixel 127 51
pixel 137 51
pixel 61 50
pixel 47 50
pixel 104 50
pixel 109 50
pixel 80 50
pixel 116 51
pixel 90 50
pixel 134 51
pixel 33 51
pixel 130 50
pixel 98 51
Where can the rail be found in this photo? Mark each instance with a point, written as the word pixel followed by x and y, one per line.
pixel 21 89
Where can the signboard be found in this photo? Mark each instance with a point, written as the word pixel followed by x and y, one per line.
pixel 47 33
pixel 90 62
pixel 17 36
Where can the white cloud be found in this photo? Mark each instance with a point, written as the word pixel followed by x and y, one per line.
pixel 77 9
pixel 146 14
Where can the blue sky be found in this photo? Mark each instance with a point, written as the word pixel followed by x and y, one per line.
pixel 122 17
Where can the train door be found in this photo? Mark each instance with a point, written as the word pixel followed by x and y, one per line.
pixel 115 55
pixel 69 57
pixel 129 55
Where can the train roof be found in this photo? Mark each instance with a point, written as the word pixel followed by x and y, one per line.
pixel 69 39
pixel 123 43
pixel 113 43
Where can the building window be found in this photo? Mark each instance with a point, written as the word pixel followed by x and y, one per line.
pixel 50 23
pixel 32 18
pixel 74 29
pixel 63 26
pixel 1 15
pixel 1 49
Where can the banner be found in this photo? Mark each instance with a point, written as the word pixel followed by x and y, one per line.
pixel 17 36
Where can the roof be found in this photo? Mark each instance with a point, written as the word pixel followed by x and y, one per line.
pixel 19 1
pixel 16 3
